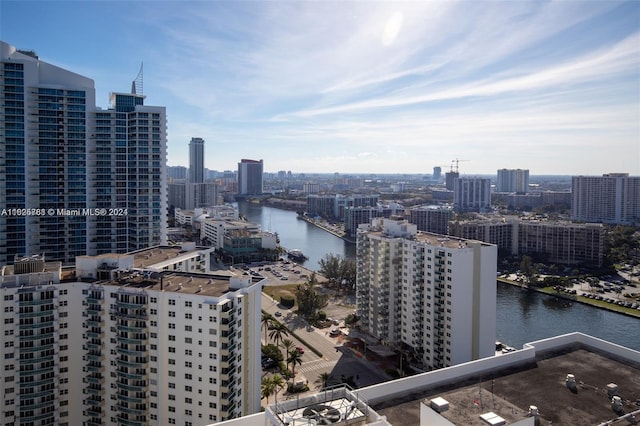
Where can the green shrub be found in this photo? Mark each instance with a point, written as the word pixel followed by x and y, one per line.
pixel 287 301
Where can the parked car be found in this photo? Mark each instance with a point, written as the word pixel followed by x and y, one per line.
pixel 334 332
pixel 300 349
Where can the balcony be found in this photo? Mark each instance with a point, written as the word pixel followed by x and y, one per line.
pixel 94 380
pixel 131 375
pixel 130 422
pixel 128 410
pixel 130 399
pixel 131 328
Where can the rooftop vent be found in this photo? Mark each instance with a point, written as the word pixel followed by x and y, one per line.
pixel 612 389
pixel 616 403
pixel 570 381
pixel 439 404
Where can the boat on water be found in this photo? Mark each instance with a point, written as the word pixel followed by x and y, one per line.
pixel 297 254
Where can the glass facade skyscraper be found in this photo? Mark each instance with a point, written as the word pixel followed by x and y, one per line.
pixel 62 158
pixel 250 177
pixel 196 160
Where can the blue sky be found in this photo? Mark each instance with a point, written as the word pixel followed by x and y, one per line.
pixel 365 86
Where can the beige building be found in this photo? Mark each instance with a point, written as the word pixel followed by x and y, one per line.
pixel 432 293
pixel 142 347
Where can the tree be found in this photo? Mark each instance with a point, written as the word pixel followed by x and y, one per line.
pixel 294 358
pixel 278 332
pixel 267 321
pixel 351 320
pixel 278 382
pixel 267 388
pixel 308 299
pixel 270 386
pixel 323 380
pixel 272 351
pixel 338 270
pixel 288 345
pixel 527 268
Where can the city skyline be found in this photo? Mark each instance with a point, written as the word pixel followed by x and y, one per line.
pixel 368 87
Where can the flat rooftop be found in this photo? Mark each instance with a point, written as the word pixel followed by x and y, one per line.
pixel 511 391
pixel 155 255
pixel 190 283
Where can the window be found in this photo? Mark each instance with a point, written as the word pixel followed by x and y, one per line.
pixel 172 302
pixel 187 304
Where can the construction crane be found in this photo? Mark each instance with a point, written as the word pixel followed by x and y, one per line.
pixel 456 161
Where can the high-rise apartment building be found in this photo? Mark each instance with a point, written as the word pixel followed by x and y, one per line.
pixel 250 177
pixel 62 159
pixel 435 295
pixel 450 179
pixel 177 172
pixel 128 176
pixel 472 195
pixel 610 198
pixel 512 180
pixel 434 219
pixel 45 113
pixel 140 347
pixel 196 160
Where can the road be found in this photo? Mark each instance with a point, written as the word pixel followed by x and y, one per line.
pixel 335 359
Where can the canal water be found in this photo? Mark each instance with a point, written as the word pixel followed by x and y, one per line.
pixel 521 316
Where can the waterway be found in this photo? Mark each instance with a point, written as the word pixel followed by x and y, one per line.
pixel 314 242
pixel 521 316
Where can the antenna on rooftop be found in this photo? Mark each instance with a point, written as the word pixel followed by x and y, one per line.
pixel 136 85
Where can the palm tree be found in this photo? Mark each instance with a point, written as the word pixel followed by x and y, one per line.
pixel 267 388
pixel 294 358
pixel 323 380
pixel 278 332
pixel 287 344
pixel 278 383
pixel 267 321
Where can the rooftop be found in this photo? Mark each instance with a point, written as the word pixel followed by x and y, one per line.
pixel 503 389
pixel 158 255
pixel 189 283
pixel 511 391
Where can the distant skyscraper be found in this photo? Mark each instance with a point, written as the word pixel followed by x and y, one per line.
pixel 196 160
pixel 472 194
pixel 450 178
pixel 437 173
pixel 177 172
pixel 250 177
pixel 512 180
pixel 434 294
pixel 610 198
pixel 61 154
